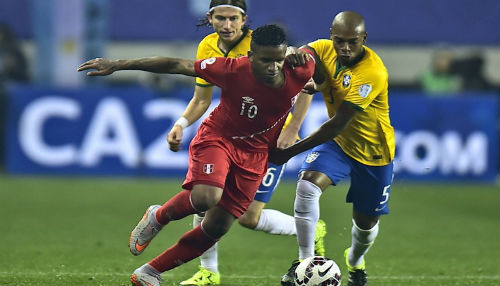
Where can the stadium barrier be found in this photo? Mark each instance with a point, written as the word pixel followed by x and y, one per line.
pixel 123 131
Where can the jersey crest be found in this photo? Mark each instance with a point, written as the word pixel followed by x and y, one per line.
pixel 347 81
pixel 311 157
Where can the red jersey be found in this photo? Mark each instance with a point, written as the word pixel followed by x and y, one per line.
pixel 250 113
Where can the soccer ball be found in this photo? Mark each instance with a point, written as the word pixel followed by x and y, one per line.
pixel 317 271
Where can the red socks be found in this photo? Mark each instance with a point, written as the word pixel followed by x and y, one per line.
pixel 176 208
pixel 191 245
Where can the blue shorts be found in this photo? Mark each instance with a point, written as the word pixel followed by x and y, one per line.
pixel 269 182
pixel 370 185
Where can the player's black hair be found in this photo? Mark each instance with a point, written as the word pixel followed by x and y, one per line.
pixel 268 35
pixel 214 3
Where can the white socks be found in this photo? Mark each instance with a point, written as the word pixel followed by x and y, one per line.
pixel 270 221
pixel 306 216
pixel 362 240
pixel 209 259
pixel 276 222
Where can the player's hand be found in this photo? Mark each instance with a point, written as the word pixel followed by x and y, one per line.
pixel 310 87
pixel 175 138
pixel 101 66
pixel 287 137
pixel 296 57
pixel 279 156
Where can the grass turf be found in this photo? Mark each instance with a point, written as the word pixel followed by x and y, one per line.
pixel 74 231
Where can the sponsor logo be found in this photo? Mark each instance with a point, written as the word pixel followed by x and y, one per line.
pixel 206 62
pixel 365 90
pixel 323 273
pixel 247 99
pixel 208 168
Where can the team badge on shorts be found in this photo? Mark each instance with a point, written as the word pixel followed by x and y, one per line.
pixel 347 81
pixel 311 157
pixel 208 168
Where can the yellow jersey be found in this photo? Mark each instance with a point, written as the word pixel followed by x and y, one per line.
pixel 208 48
pixel 369 138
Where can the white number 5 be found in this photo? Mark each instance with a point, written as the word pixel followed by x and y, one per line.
pixel 386 194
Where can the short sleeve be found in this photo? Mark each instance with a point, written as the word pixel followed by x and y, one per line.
pixel 319 46
pixel 365 87
pixel 214 70
pixel 202 53
pixel 306 71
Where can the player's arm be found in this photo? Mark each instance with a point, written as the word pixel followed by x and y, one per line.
pixel 154 64
pixel 290 134
pixel 198 105
pixel 325 132
pixel 298 57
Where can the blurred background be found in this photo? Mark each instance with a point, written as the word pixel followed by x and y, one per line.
pixel 443 59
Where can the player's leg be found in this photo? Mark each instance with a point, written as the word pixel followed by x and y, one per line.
pixel 369 193
pixel 192 244
pixel 325 165
pixel 205 179
pixel 181 205
pixel 208 273
pixel 268 220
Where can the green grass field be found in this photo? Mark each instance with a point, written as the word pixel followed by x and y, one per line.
pixel 74 231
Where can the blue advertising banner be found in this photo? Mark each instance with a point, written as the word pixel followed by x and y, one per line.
pixel 114 131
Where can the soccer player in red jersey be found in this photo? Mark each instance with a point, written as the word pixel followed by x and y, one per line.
pixel 229 154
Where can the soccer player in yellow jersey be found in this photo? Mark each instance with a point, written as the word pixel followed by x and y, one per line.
pixel 354 84
pixel 232 39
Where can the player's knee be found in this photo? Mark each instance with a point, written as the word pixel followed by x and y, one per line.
pixel 307 200
pixel 307 190
pixel 204 199
pixel 319 179
pixel 248 220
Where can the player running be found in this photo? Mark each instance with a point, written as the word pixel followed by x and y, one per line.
pixel 354 83
pixel 232 39
pixel 229 154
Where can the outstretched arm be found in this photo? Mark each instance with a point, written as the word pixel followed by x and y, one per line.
pixel 325 132
pixel 154 64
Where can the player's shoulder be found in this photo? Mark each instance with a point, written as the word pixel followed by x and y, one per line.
pixel 371 66
pixel 208 47
pixel 249 34
pixel 242 46
pixel 209 39
pixel 229 65
pixel 321 44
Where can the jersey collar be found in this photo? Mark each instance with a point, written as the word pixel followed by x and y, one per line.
pixel 342 68
pixel 245 33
